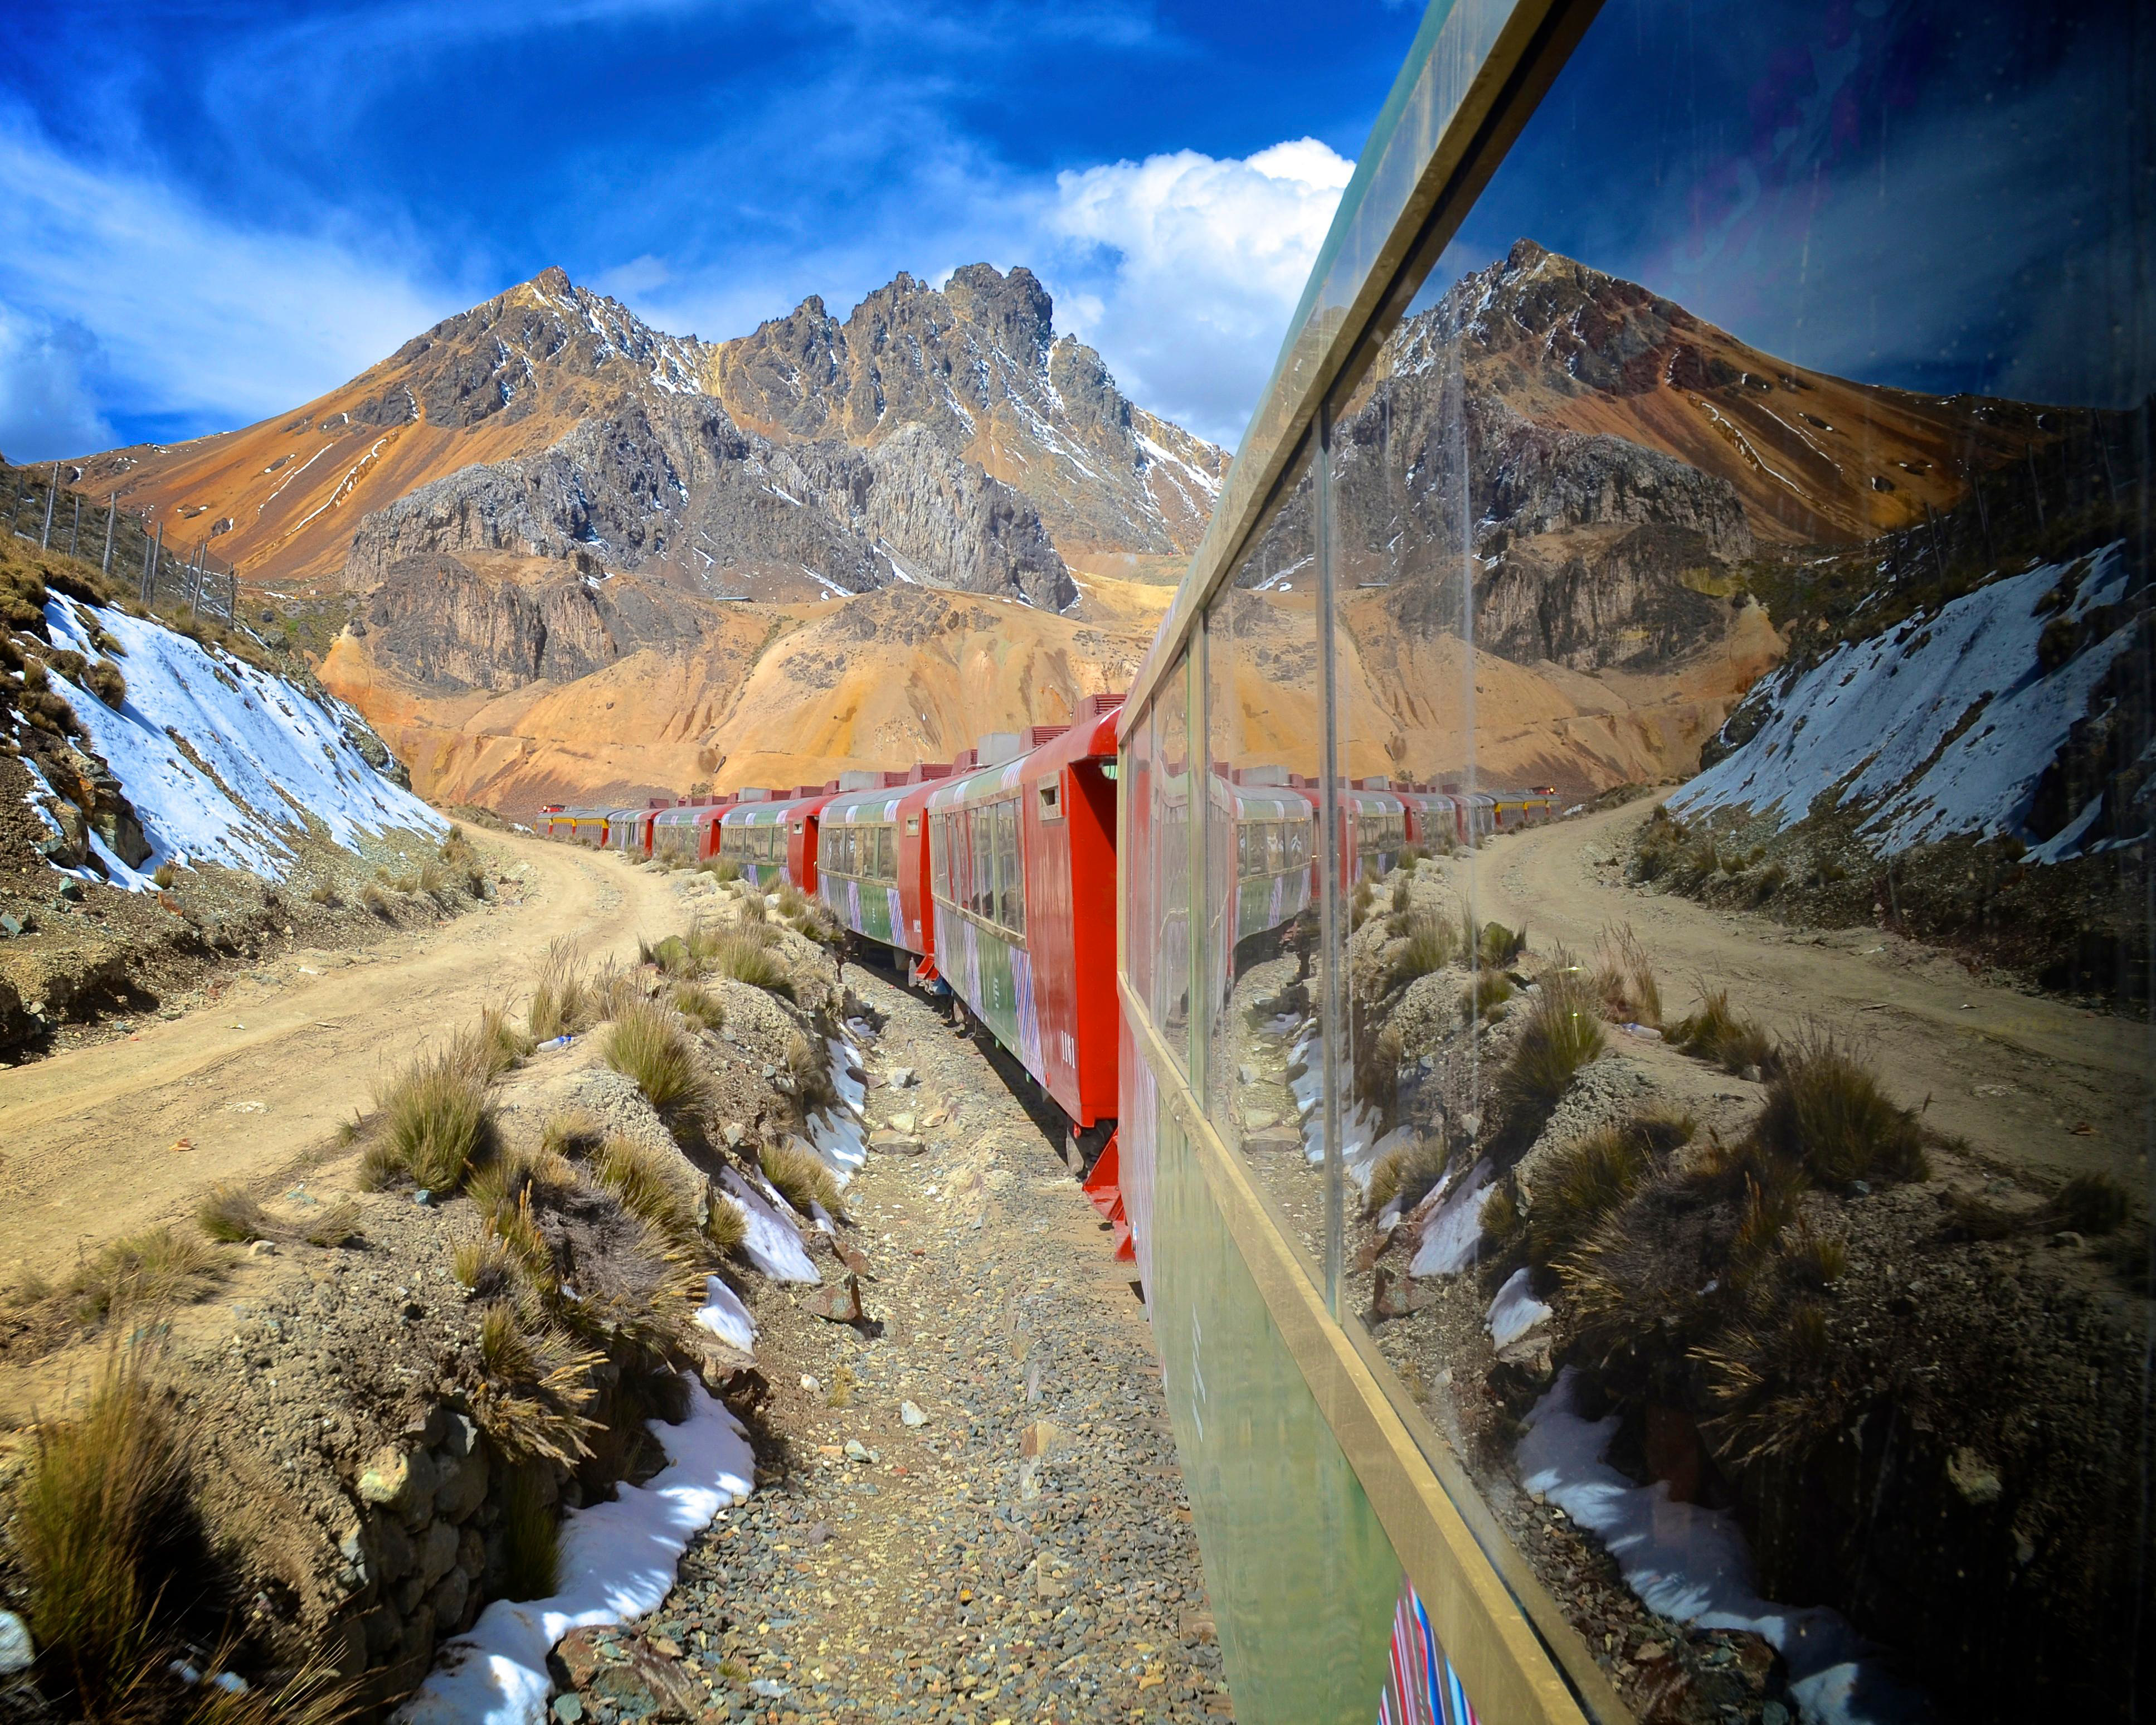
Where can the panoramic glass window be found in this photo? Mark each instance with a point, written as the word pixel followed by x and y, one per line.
pixel 1740 597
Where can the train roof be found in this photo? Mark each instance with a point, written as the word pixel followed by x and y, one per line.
pixel 689 814
pixel 1266 802
pixel 587 813
pixel 851 807
pixel 1093 737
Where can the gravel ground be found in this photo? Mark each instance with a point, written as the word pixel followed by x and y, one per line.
pixel 1025 1551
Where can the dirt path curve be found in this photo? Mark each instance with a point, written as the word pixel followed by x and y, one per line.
pixel 2016 1074
pixel 258 1081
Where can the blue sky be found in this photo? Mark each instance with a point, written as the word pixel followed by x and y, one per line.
pixel 214 210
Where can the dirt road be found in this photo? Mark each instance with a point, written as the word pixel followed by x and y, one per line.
pixel 256 1082
pixel 2034 1082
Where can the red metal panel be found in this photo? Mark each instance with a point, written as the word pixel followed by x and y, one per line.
pixel 919 933
pixel 802 829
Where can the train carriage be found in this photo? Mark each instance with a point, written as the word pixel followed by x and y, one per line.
pixel 857 870
pixel 752 838
pixel 628 830
pixel 1374 832
pixel 803 829
pixel 581 826
pixel 1022 882
pixel 1275 833
pixel 689 834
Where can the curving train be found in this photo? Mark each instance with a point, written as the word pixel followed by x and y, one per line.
pixel 994 875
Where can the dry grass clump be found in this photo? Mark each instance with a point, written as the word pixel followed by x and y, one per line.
pixel 531 1535
pixel 647 1045
pixel 635 1176
pixel 1359 906
pixel 1481 997
pixel 167 875
pixel 375 900
pixel 1404 1177
pixel 747 955
pixel 1825 1112
pixel 561 1003
pixel 1594 1177
pixel 808 916
pixel 1719 1033
pixel 810 1071
pixel 725 1225
pixel 673 955
pixel 571 1132
pixel 104 680
pixel 100 1518
pixel 337 1225
pixel 722 870
pixel 1496 947
pixel 436 1120
pixel 2092 1203
pixel 1624 979
pixel 535 1385
pixel 231 1216
pixel 1563 1033
pixel 159 1266
pixel 700 1005
pixel 801 1178
pixel 492 1047
pixel 1428 942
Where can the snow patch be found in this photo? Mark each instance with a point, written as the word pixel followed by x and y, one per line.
pixel 619 1561
pixel 1514 1311
pixel 724 1317
pixel 271 749
pixel 1455 1228
pixel 772 1242
pixel 1692 1564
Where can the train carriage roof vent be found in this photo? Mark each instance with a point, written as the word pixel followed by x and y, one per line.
pixel 1092 706
pixel 890 778
pixel 965 761
pixel 1375 782
pixel 751 793
pixel 809 790
pixel 999 746
pixel 1046 733
pixel 924 770
pixel 860 780
pixel 1270 773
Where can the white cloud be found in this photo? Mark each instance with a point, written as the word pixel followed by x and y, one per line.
pixel 187 313
pixel 1190 267
pixel 46 405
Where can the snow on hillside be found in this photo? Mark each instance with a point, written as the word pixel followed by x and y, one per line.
pixel 1941 725
pixel 262 759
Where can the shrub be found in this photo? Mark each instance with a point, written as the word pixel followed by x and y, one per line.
pixel 801 1178
pixel 536 1384
pixel 167 874
pixel 1428 943
pixel 1624 979
pixel 700 1005
pixel 375 899
pixel 104 680
pixel 100 1515
pixel 745 955
pixel 158 1267
pixel 1826 1113
pixel 436 1119
pixel 1770 881
pixel 647 1045
pixel 1499 947
pixel 672 955
pixel 1563 1033
pixel 2091 1204
pixel 229 1215
pixel 1716 1032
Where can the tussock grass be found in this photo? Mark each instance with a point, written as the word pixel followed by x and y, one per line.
pixel 561 1003
pixel 807 1063
pixel 637 1177
pixel 1826 1113
pixel 436 1120
pixel 722 870
pixel 159 1266
pixel 700 1005
pixel 1717 1032
pixel 492 1047
pixel 1563 1033
pixel 1406 1174
pixel 1481 997
pixel 104 680
pixel 1495 946
pixel 801 1178
pixel 1593 1176
pixel 99 1514
pixel 536 1385
pixel 375 900
pixel 647 1045
pixel 337 1225
pixel 571 1132
pixel 1358 907
pixel 673 956
pixel 1403 891
pixel 1428 942
pixel 167 875
pixel 747 955
pixel 530 1536
pixel 2092 1203
pixel 1500 1213
pixel 725 1225
pixel 1624 979
pixel 324 893
pixel 232 1216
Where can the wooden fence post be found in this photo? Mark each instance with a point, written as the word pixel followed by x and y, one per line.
pixel 111 516
pixel 52 491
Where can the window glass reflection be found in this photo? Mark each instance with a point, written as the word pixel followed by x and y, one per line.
pixel 1743 664
pixel 1170 859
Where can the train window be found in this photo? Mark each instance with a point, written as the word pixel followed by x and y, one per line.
pixel 1051 798
pixel 887 861
pixel 939 856
pixel 1010 897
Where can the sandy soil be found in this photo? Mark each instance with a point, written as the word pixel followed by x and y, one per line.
pixel 103 1140
pixel 2036 1083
